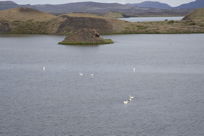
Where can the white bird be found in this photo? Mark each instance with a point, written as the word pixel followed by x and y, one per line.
pixel 92 75
pixel 126 102
pixel 81 74
pixel 131 98
pixel 134 70
pixel 44 68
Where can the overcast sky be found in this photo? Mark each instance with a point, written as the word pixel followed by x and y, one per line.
pixel 170 2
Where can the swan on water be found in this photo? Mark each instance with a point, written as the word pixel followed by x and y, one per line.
pixel 129 100
pixel 92 75
pixel 131 97
pixel 81 74
pixel 134 70
pixel 43 68
pixel 126 102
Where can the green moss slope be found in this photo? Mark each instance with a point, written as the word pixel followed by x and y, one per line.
pixel 106 41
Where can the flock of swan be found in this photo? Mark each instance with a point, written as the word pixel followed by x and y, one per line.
pixel 129 100
pixel 92 75
pixel 82 74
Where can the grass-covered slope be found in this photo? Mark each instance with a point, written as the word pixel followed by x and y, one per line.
pixel 83 15
pixel 25 21
pixel 197 16
pixel 113 15
pixel 24 14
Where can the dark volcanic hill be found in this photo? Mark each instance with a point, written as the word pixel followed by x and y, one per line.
pixel 192 5
pixel 153 4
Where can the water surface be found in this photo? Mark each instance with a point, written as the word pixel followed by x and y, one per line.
pixel 168 85
pixel 151 19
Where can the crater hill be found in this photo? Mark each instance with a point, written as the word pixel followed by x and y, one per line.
pixel 30 21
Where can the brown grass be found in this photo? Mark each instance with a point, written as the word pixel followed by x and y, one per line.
pixel 84 15
pixel 25 14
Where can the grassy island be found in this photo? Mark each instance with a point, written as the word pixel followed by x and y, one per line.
pixel 105 41
pixel 85 37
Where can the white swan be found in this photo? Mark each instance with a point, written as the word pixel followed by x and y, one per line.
pixel 134 70
pixel 81 74
pixel 126 102
pixel 92 75
pixel 44 68
pixel 131 98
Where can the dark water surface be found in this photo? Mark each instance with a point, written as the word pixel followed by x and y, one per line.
pixel 168 85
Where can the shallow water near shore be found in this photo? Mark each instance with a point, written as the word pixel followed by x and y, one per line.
pixel 43 92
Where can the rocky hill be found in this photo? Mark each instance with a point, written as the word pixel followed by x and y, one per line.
pixel 29 21
pixel 196 17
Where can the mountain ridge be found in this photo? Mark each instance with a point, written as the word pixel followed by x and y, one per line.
pixel 192 5
pixel 101 8
pixel 153 4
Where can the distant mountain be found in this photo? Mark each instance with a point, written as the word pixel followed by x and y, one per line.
pixel 103 8
pixel 153 4
pixel 192 5
pixel 90 7
pixel 127 10
pixel 7 5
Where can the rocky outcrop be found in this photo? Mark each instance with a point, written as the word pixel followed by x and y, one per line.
pixel 4 27
pixel 75 23
pixel 85 37
pixel 31 21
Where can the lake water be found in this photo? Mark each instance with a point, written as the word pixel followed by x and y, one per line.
pixel 151 19
pixel 168 84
